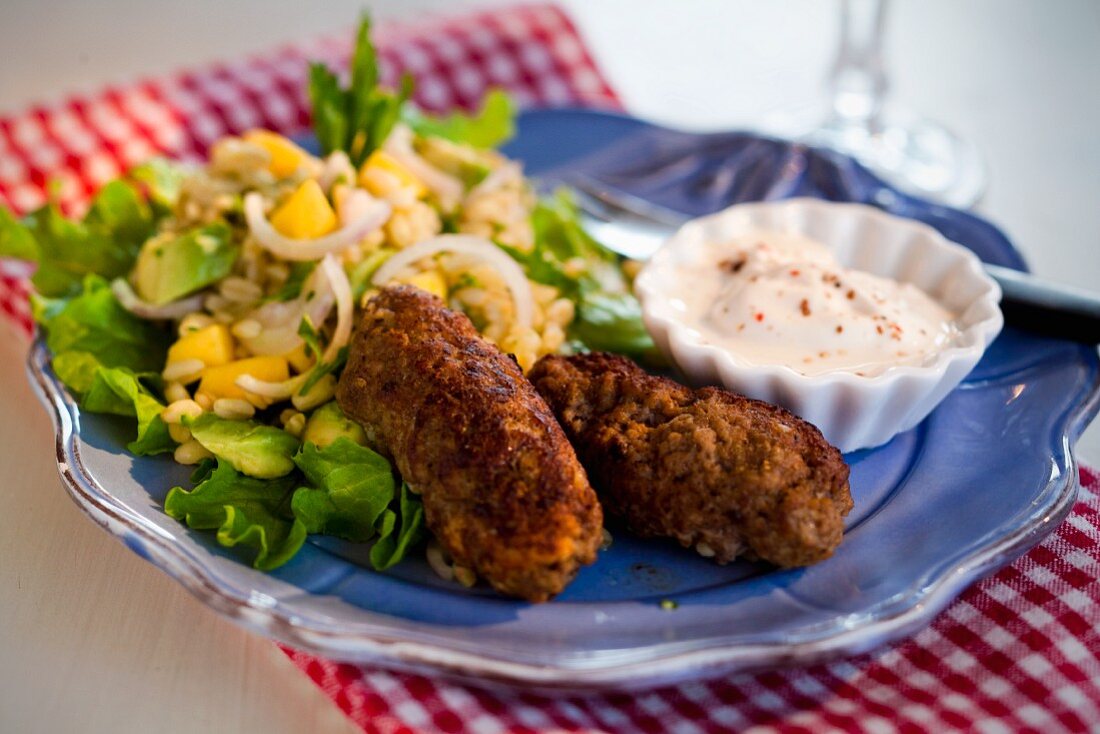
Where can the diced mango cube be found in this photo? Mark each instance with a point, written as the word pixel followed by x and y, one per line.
pixel 306 214
pixel 383 161
pixel 221 382
pixel 431 281
pixel 213 345
pixel 286 156
pixel 300 358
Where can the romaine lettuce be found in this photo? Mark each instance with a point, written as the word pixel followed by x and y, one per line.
pixel 489 127
pixel 105 243
pixel 351 487
pixel 119 391
pixel 391 548
pixel 245 511
pixel 351 496
pixel 93 323
pixel 608 316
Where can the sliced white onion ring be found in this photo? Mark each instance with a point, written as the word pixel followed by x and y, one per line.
pixel 446 187
pixel 502 175
pixel 279 321
pixel 479 247
pixel 299 250
pixel 345 304
pixel 143 309
pixel 438 561
pixel 272 390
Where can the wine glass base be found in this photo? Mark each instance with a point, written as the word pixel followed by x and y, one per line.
pixel 917 156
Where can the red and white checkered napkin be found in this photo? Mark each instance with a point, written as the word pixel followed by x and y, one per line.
pixel 1018 651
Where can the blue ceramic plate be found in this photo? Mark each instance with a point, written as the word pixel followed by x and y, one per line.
pixel 983 479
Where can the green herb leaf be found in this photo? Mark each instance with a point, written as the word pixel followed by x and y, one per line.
pixel 299 274
pixel 330 123
pixel 364 270
pixel 245 511
pixel 310 336
pixel 356 120
pixel 252 448
pixel 351 488
pixel 312 339
pixel 489 127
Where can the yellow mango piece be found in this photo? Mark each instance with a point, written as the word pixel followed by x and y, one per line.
pixel 300 359
pixel 306 214
pixel 286 156
pixel 221 381
pixel 213 345
pixel 383 161
pixel 431 281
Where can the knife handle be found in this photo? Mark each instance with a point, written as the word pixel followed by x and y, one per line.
pixel 1046 308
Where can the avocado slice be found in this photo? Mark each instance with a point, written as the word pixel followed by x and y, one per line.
pixel 468 164
pixel 260 451
pixel 328 423
pixel 172 265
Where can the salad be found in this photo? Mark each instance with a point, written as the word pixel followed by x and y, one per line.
pixel 213 304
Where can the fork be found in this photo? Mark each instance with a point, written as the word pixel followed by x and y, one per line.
pixel 635 228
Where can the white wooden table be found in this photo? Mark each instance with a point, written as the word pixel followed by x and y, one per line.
pixel 95 639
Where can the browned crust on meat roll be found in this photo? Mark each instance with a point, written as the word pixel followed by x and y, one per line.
pixel 503 490
pixel 709 468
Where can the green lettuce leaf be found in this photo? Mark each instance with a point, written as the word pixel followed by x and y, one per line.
pixel 245 511
pixel 489 127
pixel 109 358
pixel 77 370
pixel 390 548
pixel 105 243
pixel 252 448
pixel 612 322
pixel 351 487
pixel 353 496
pixel 608 316
pixel 95 325
pixel 16 241
pixel 358 119
pixel 119 391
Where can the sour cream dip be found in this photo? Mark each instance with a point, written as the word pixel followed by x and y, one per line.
pixel 771 297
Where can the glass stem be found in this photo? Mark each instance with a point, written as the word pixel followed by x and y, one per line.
pixel 857 81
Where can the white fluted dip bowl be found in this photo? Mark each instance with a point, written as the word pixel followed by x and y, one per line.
pixel 852 411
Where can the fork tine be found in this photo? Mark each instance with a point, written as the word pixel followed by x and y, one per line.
pixel 591 205
pixel 615 203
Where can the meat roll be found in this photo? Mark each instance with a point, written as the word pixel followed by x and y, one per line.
pixel 503 490
pixel 714 470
